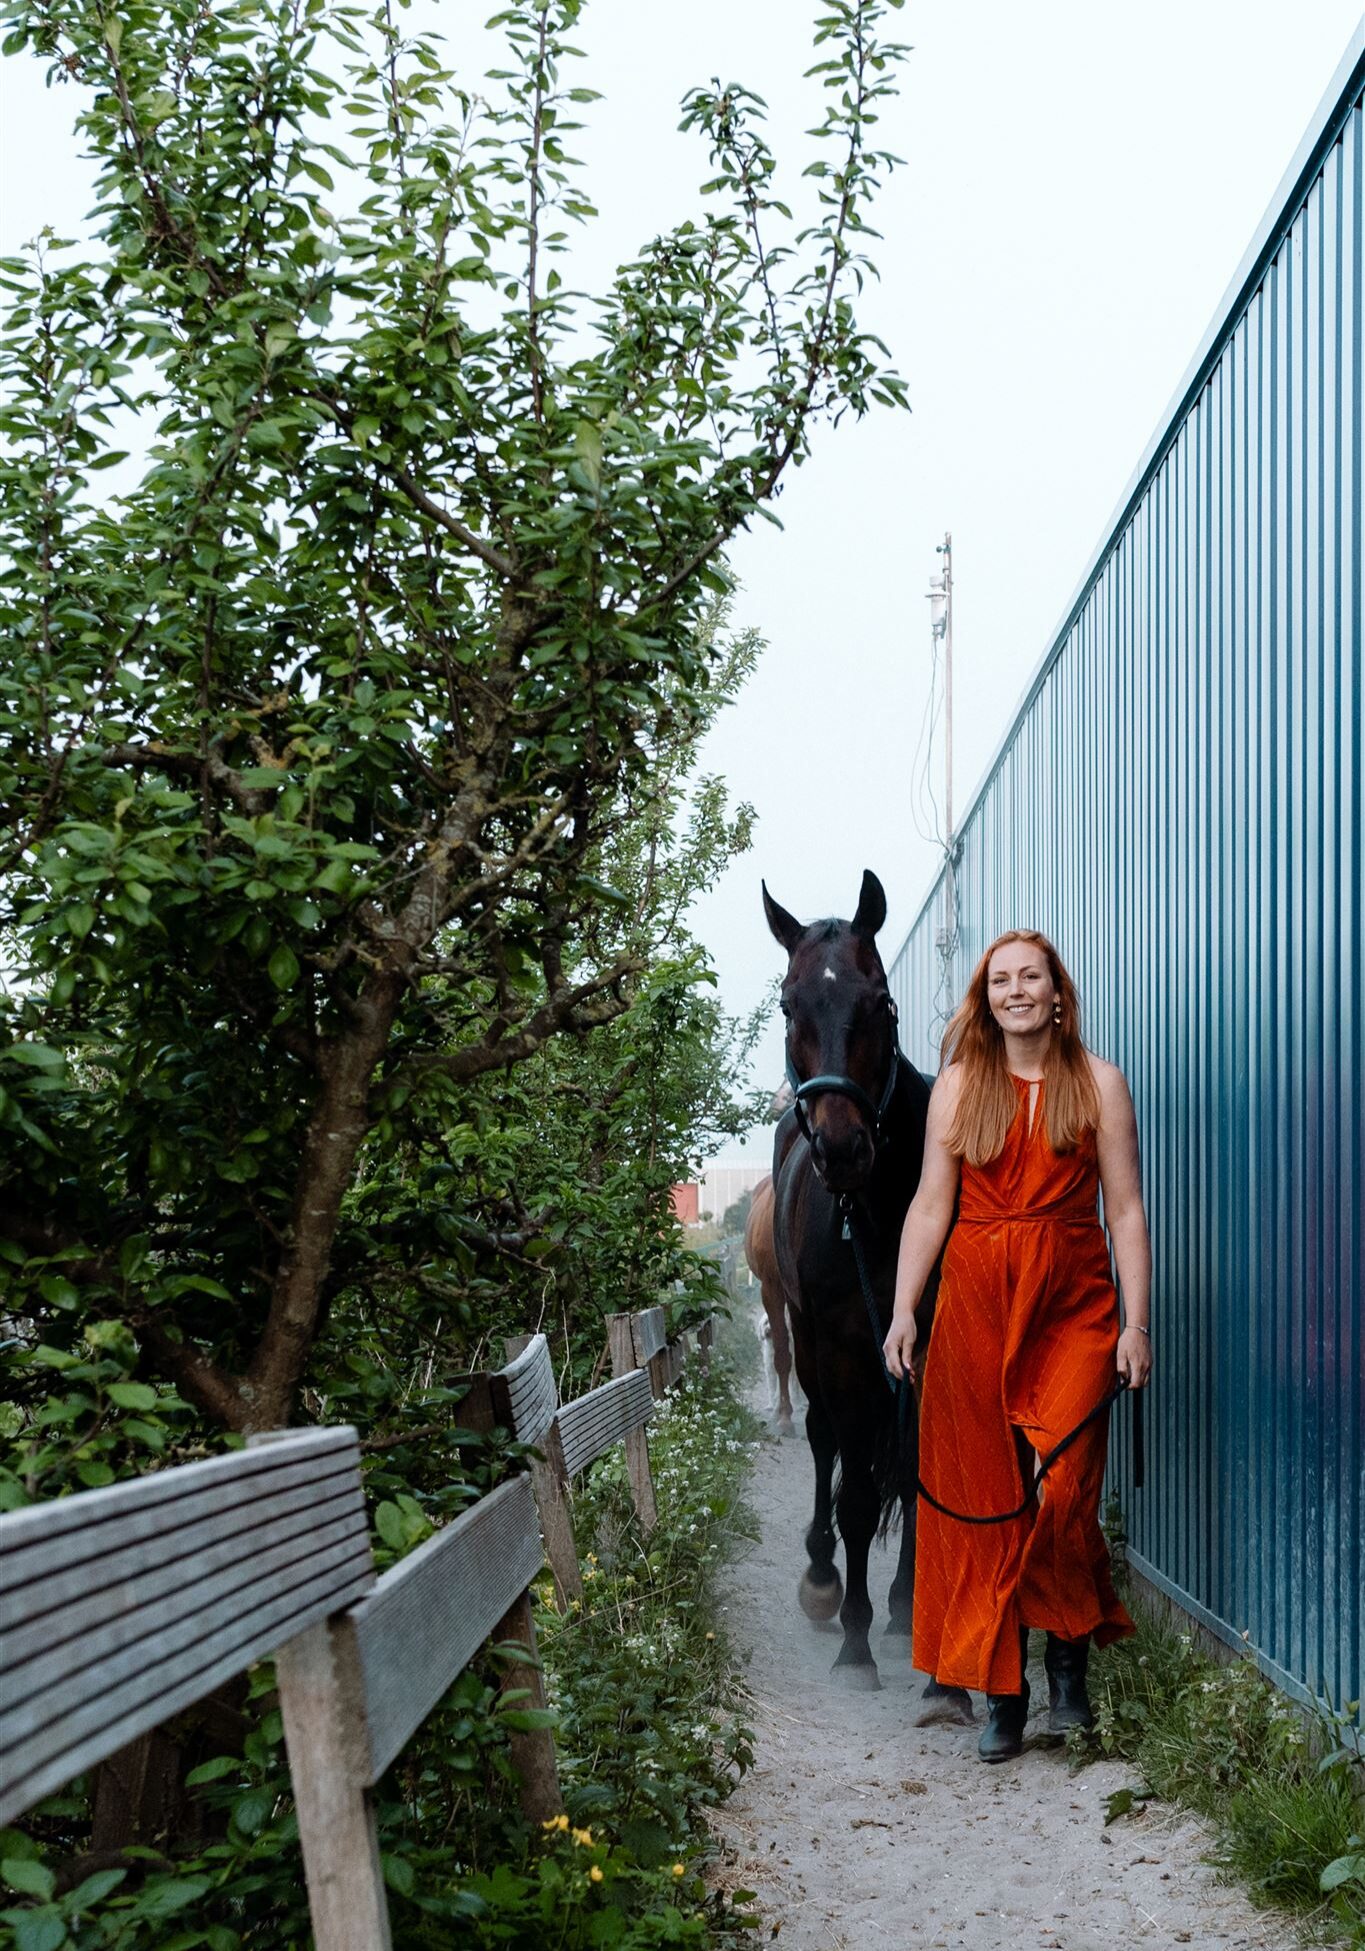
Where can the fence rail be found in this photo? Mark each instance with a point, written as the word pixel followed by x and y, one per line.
pixel 124 1606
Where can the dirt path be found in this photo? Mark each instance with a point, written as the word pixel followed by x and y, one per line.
pixel 858 1829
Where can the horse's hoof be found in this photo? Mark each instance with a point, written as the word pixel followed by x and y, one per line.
pixel 860 1679
pixel 785 1426
pixel 820 1601
pixel 945 1706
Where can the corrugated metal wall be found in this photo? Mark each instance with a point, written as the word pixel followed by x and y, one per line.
pixel 1179 806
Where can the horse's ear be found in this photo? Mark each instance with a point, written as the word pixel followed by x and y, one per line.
pixel 785 927
pixel 871 906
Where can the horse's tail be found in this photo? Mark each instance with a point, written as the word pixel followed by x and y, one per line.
pixel 893 1462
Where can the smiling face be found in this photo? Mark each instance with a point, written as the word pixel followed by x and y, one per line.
pixel 1020 989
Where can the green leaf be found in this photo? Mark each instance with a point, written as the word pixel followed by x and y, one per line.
pixel 284 967
pixel 39 1930
pixel 94 1889
pixel 164 1899
pixel 388 1522
pixel 47 1357
pixel 1121 1803
pixel 587 442
pixel 132 1395
pixel 1345 1869
pixel 212 1771
pixel 398 1874
pixel 529 1720
pixel 249 1811
pixel 95 1475
pixel 37 1056
pixel 29 1877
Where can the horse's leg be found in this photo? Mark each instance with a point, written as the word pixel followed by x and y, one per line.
pixel 900 1602
pixel 821 1587
pixel 775 1305
pixel 859 1511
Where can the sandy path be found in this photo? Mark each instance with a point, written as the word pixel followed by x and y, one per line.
pixel 858 1829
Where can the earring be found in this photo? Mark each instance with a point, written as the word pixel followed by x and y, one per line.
pixel 1057 1012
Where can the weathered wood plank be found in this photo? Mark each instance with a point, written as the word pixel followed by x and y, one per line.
pixel 322 1703
pixel 589 1426
pixel 90 1510
pixel 50 1611
pixel 621 1348
pixel 648 1334
pixel 30 1555
pixel 426 1618
pixel 46 1742
pixel 531 1392
pixel 236 1608
pixel 549 1481
pixel 145 1610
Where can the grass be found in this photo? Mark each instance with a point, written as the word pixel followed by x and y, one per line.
pixel 1284 1790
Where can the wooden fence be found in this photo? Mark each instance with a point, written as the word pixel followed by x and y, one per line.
pixel 122 1607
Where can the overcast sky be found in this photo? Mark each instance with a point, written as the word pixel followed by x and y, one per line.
pixel 1081 182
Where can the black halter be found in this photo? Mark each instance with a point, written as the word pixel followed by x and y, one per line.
pixel 832 1085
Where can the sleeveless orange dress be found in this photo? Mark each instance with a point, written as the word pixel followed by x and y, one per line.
pixel 1024 1340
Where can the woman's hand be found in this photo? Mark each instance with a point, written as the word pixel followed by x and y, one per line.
pixel 1135 1357
pixel 899 1346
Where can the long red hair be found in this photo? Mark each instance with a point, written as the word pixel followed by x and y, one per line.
pixel 988 1102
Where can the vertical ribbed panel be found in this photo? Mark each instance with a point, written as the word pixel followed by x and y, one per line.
pixel 1179 806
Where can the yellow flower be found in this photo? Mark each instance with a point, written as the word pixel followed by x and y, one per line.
pixel 710 1635
pixel 583 1837
pixel 595 1874
pixel 678 1870
pixel 555 1822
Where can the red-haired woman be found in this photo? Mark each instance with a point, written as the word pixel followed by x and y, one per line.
pixel 1025 1127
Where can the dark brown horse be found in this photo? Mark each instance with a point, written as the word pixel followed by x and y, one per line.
pixel 847 1157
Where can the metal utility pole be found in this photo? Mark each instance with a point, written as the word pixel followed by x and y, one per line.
pixel 941 621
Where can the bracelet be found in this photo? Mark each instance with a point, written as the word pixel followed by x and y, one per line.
pixel 1139 1327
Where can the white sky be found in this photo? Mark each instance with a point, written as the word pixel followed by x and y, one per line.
pixel 1081 182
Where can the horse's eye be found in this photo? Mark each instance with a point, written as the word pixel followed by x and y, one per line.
pixel 786 1010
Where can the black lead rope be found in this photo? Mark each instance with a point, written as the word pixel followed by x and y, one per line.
pixel 901 1391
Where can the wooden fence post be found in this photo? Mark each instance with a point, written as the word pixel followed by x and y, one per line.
pixel 621 1347
pixel 323 1707
pixel 549 1479
pixel 706 1335
pixel 533 1751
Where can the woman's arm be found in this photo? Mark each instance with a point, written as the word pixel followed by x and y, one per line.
pixel 1121 1182
pixel 926 1223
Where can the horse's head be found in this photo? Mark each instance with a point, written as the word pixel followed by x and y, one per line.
pixel 841 1032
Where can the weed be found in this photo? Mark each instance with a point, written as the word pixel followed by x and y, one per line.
pixel 1223 1741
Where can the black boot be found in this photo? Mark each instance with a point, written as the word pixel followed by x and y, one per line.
pixel 1003 1735
pixel 1069 1704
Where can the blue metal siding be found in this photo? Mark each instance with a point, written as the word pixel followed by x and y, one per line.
pixel 1179 806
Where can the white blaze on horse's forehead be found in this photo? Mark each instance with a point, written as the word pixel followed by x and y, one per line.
pixel 830 976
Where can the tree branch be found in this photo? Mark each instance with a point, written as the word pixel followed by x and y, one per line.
pixel 502 565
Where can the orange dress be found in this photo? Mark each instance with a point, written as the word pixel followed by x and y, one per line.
pixel 1024 1339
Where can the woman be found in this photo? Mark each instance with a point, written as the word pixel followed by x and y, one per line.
pixel 1025 1338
